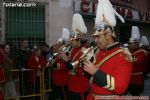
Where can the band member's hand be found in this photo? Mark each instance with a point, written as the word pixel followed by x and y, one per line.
pixel 89 67
pixel 63 56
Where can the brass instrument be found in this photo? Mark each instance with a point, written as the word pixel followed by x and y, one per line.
pixel 87 55
pixel 65 48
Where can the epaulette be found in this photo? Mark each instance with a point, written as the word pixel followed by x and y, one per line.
pixel 128 55
pixel 146 52
pixel 140 50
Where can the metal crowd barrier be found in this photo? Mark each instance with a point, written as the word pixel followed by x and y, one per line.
pixel 24 87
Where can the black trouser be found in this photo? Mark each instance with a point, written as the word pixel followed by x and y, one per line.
pixel 135 90
pixel 74 96
pixel 58 92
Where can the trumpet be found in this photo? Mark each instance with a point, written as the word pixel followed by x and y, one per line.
pixel 87 55
pixel 65 48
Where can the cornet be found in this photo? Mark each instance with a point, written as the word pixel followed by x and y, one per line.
pixel 66 47
pixel 87 55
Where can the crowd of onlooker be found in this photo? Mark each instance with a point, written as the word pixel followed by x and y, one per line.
pixel 18 79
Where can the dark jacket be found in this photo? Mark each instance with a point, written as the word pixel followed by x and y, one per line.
pixel 21 59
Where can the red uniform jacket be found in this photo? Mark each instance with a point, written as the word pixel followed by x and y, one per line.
pixel 113 75
pixel 33 64
pixel 139 66
pixel 78 83
pixel 60 76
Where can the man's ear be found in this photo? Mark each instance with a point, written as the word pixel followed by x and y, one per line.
pixel 108 36
pixel 137 44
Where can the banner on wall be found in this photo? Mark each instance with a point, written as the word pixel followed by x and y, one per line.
pixel 132 14
pixel 89 7
pixel 128 13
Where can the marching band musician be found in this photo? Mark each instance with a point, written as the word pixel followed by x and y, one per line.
pixel 144 44
pixel 139 58
pixel 60 73
pixel 78 82
pixel 113 67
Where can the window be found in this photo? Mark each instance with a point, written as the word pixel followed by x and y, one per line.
pixel 25 22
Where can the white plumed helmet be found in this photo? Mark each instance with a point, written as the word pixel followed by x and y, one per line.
pixel 65 35
pixel 135 34
pixel 78 26
pixel 106 13
pixel 105 18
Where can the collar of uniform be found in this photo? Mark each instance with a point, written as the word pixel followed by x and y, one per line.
pixel 136 49
pixel 113 45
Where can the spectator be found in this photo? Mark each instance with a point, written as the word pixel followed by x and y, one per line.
pixel 1 74
pixel 36 62
pixel 10 78
pixel 21 62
